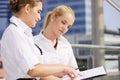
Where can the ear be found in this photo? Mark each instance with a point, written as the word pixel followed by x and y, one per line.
pixel 52 17
pixel 27 8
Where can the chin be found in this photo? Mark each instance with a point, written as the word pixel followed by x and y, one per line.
pixel 32 26
pixel 58 35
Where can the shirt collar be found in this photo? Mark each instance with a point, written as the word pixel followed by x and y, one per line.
pixel 20 24
pixel 43 37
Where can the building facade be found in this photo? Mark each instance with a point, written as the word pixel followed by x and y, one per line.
pixel 4 15
pixel 82 8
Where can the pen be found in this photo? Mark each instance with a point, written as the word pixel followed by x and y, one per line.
pixel 81 67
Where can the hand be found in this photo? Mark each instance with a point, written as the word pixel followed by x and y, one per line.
pixel 70 71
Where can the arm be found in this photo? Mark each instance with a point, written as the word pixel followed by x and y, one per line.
pixel 72 59
pixel 43 70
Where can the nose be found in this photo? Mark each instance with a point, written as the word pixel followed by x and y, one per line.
pixel 39 17
pixel 65 28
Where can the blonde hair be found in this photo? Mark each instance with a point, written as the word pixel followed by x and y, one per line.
pixel 16 5
pixel 58 11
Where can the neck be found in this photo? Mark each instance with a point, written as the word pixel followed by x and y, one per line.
pixel 21 17
pixel 48 34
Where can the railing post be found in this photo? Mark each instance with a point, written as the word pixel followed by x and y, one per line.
pixel 119 62
pixel 90 62
pixel 98 31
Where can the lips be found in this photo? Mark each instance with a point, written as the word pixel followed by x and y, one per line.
pixel 61 31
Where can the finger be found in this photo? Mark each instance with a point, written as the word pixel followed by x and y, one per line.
pixel 80 73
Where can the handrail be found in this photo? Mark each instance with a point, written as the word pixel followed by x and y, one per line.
pixel 117 7
pixel 91 46
pixel 95 46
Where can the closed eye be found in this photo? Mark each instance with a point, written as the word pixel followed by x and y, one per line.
pixel 39 11
pixel 63 22
pixel 69 27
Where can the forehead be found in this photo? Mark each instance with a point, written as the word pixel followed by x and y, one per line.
pixel 39 5
pixel 69 18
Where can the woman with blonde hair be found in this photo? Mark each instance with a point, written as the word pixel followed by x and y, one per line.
pixel 21 58
pixel 55 48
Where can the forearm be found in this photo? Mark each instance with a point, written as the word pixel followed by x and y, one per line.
pixel 50 78
pixel 43 70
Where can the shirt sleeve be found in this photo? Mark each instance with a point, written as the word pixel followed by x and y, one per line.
pixel 72 59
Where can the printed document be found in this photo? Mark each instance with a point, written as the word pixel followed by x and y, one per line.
pixel 92 73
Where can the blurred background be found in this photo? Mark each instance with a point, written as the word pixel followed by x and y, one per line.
pixel 96 31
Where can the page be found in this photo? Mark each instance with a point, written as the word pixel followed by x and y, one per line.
pixel 95 72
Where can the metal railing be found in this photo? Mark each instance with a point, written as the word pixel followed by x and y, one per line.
pixel 96 46
pixel 90 60
pixel 115 5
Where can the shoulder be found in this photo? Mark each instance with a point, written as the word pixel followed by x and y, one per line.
pixel 11 31
pixel 37 38
pixel 63 40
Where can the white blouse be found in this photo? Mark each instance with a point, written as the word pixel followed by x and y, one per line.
pixel 62 55
pixel 18 52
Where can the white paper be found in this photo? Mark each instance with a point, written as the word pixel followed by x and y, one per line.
pixel 95 72
pixel 99 71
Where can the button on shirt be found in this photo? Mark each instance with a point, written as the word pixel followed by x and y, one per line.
pixel 18 52
pixel 62 55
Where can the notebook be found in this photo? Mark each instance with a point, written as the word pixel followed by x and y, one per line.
pixel 92 73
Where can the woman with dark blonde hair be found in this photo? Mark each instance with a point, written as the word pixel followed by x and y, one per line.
pixel 55 48
pixel 21 58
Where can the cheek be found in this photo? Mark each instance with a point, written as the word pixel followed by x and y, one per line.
pixel 33 14
pixel 55 25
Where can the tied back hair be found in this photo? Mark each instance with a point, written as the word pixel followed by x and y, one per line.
pixel 16 5
pixel 58 11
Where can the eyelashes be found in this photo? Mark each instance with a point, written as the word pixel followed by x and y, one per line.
pixel 64 23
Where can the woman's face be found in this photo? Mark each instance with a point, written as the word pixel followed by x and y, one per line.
pixel 62 24
pixel 34 15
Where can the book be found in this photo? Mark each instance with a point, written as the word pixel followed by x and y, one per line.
pixel 92 73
